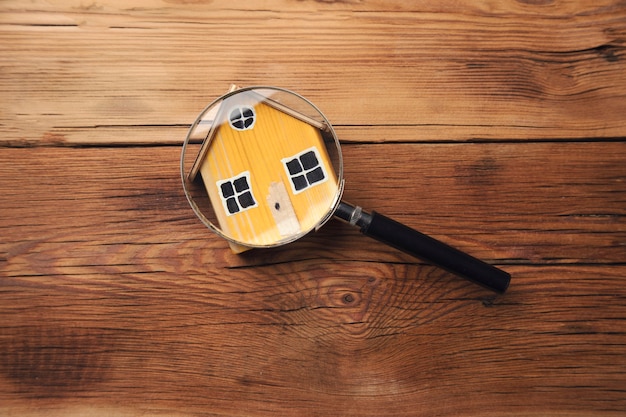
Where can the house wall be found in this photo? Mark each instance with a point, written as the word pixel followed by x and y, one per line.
pixel 260 151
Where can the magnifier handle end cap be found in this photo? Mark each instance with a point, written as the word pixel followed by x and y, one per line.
pixel 429 249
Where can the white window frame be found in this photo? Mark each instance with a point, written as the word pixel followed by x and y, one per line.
pixel 236 195
pixel 320 164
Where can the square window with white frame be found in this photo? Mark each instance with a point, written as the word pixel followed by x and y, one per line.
pixel 305 170
pixel 236 193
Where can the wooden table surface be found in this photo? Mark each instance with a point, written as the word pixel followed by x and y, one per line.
pixel 498 127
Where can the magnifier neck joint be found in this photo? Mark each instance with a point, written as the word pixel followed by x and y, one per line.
pixel 353 215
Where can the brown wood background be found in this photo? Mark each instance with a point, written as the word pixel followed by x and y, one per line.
pixel 496 126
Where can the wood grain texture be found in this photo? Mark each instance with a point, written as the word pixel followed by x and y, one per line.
pixel 115 299
pixel 111 72
pixel 497 127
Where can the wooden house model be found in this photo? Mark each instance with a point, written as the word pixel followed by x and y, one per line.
pixel 266 170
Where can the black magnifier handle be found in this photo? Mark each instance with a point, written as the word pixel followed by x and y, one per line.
pixel 424 247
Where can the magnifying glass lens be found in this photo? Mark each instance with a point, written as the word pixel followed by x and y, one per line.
pixel 266 168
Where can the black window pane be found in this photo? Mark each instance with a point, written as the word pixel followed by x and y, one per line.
pixel 315 176
pixel 227 189
pixel 241 184
pixel 231 203
pixel 309 160
pixel 299 182
pixel 294 167
pixel 248 122
pixel 238 124
pixel 235 114
pixel 246 199
pixel 247 112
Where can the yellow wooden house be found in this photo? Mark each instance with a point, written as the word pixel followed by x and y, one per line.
pixel 266 170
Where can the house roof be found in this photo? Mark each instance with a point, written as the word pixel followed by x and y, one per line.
pixel 249 96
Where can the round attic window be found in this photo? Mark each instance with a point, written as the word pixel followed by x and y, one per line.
pixel 242 118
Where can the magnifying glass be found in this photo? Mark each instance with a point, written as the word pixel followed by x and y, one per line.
pixel 267 169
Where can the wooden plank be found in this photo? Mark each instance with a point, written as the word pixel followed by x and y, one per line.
pixel 530 203
pixel 111 74
pixel 116 301
pixel 304 339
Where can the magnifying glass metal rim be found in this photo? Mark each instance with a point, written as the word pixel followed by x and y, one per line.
pixel 288 239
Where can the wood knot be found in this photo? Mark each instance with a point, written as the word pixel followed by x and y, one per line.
pixel 348 298
pixel 346 302
pixel 344 297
